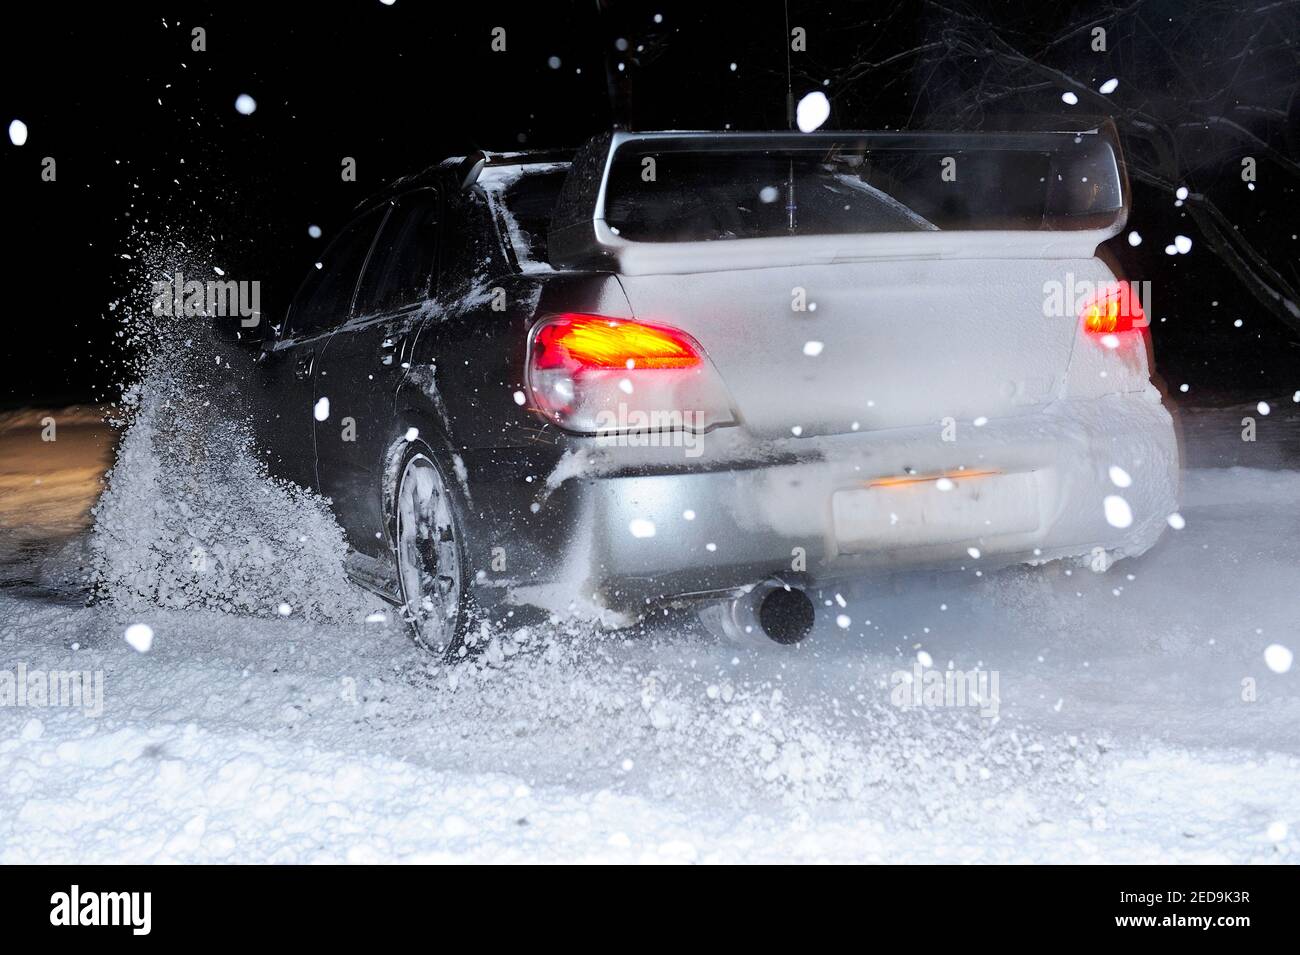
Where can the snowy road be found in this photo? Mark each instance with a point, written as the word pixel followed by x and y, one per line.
pixel 1124 731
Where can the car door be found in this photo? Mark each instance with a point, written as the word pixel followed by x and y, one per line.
pixel 364 362
pixel 287 365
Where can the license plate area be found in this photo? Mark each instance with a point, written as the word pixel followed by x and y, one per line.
pixel 920 511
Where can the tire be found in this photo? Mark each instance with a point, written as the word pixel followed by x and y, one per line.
pixel 428 532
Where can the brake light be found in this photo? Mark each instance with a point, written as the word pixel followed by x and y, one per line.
pixel 589 341
pixel 600 375
pixel 1112 310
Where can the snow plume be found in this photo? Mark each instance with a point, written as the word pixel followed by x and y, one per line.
pixel 800 743
pixel 190 517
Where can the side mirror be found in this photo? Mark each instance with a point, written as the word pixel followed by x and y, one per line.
pixel 470 167
pixel 249 331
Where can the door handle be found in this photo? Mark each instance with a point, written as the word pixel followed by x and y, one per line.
pixel 302 369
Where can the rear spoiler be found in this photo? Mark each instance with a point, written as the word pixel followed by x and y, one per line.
pixel 580 237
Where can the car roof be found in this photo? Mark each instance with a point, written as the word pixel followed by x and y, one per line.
pixel 464 171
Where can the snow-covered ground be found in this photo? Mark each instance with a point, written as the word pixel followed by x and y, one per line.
pixel 1123 732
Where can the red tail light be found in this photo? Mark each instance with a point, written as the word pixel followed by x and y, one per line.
pixel 589 341
pixel 599 375
pixel 1112 310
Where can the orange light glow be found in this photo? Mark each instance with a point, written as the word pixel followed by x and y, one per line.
pixel 595 342
pixel 928 479
pixel 1115 309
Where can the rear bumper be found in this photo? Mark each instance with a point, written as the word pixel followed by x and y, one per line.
pixel 649 524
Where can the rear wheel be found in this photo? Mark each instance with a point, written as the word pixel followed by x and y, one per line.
pixel 430 557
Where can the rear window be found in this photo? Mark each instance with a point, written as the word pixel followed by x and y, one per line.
pixel 666 190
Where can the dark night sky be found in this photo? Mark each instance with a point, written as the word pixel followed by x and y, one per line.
pixel 146 137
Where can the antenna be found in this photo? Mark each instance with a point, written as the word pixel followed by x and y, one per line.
pixel 791 207
pixel 789 83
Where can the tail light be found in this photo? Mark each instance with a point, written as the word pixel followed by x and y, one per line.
pixel 590 342
pixel 600 375
pixel 1113 310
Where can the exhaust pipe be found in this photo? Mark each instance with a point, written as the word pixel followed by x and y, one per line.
pixel 770 610
pixel 786 614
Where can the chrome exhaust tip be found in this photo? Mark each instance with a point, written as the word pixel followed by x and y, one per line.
pixel 771 610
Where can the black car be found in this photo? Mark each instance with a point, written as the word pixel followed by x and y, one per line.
pixel 716 369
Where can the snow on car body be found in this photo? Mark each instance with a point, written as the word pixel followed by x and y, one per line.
pixel 680 365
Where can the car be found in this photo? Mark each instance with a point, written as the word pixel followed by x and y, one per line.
pixel 718 369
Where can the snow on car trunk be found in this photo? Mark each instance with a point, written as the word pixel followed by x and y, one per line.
pixel 903 343
pixel 856 280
